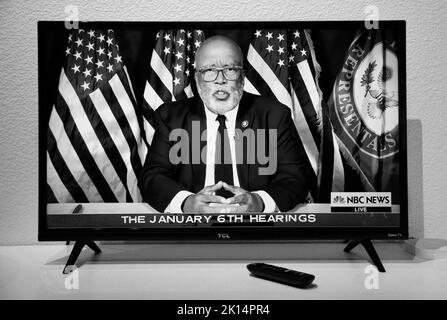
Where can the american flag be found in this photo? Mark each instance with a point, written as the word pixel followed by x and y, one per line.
pixel 171 71
pixel 95 148
pixel 282 65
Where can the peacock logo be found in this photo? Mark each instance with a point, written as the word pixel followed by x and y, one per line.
pixel 338 199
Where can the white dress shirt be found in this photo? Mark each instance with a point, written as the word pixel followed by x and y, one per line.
pixel 212 126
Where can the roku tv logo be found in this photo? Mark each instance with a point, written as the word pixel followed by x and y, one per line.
pixel 364 199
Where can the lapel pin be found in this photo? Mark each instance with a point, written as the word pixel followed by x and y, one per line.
pixel 244 124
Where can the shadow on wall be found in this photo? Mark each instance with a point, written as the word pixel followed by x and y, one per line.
pixel 415 178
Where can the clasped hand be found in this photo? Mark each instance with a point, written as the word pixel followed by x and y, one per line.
pixel 205 201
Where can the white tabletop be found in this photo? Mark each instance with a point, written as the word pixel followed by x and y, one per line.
pixel 186 271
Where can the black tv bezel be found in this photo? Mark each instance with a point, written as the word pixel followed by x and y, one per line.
pixel 214 234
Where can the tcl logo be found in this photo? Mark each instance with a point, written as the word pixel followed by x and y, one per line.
pixel 223 236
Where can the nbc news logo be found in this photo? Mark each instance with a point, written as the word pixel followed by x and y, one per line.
pixel 360 202
pixel 338 199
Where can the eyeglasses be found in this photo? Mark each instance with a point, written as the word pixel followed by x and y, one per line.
pixel 230 73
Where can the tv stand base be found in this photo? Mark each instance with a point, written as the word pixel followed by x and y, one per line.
pixel 367 244
pixel 76 252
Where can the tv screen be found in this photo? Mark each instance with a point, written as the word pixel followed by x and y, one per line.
pixel 221 131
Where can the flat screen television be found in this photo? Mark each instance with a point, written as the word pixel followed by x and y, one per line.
pixel 313 139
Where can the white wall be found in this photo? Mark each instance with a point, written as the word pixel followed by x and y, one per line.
pixel 426 84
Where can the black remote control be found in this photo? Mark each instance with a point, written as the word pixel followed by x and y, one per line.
pixel 282 275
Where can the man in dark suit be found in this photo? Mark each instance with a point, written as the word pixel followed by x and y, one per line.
pixel 224 122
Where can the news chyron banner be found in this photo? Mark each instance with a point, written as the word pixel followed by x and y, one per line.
pixel 364 110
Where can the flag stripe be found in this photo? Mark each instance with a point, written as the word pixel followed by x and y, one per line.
pixel 338 178
pixel 258 63
pixel 74 165
pixel 105 139
pixel 163 73
pixel 63 172
pixel 248 87
pixel 119 140
pixel 150 131
pixel 148 115
pixel 121 122
pixel 51 198
pixel 188 91
pixel 305 135
pixel 309 82
pixel 159 87
pixel 309 113
pixel 92 143
pixel 124 80
pixel 282 95
pixel 259 85
pixel 59 192
pixel 151 97
pixel 129 110
pixel 126 105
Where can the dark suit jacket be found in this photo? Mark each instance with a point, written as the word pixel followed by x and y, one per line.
pixel 160 180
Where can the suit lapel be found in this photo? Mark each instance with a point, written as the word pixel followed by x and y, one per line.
pixel 244 121
pixel 197 115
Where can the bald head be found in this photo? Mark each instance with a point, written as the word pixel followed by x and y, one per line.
pixel 218 50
